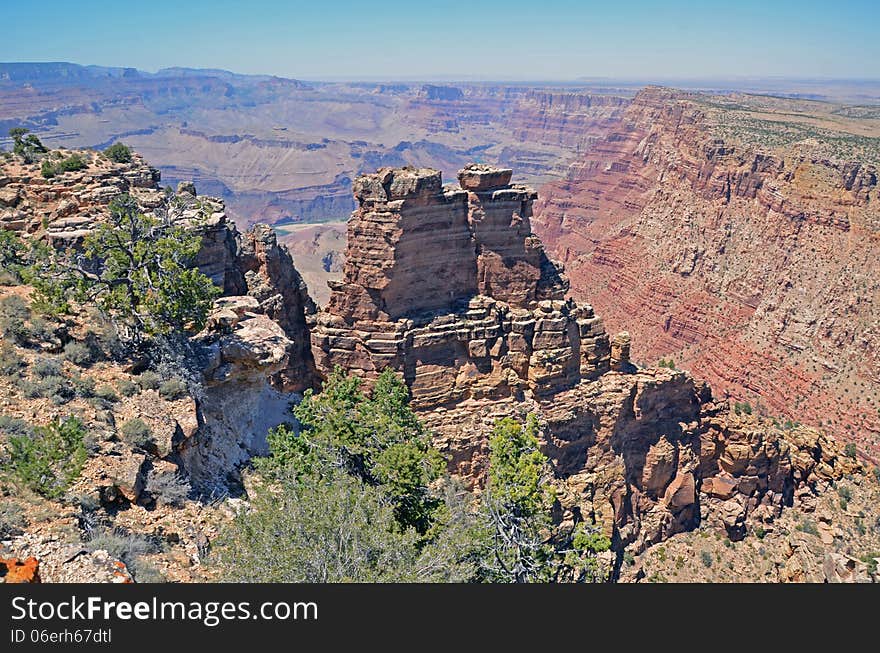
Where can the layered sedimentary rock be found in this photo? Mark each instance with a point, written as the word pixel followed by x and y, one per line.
pixel 751 264
pixel 64 209
pixel 449 286
pixel 649 454
pixel 572 120
pixel 272 279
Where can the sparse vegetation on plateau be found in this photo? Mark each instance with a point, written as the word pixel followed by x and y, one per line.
pixel 71 163
pixel 118 153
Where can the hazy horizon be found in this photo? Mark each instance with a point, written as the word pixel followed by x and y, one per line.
pixel 514 41
pixel 477 79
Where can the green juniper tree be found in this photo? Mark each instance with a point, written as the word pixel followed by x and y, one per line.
pixel 353 495
pixel 49 459
pixel 375 437
pixel 355 492
pixel 26 145
pixel 137 268
pixel 527 546
pixel 118 153
pixel 13 255
pixel 517 504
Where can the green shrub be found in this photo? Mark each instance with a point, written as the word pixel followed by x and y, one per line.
pixel 102 337
pixel 15 330
pixel 13 257
pixel 331 528
pixel 14 313
pixel 10 426
pixel 137 434
pixel 51 387
pixel 72 163
pixel 808 526
pixel 149 380
pixel 107 393
pixel 14 306
pixel 12 521
pixel 40 331
pixel 173 389
pixel 78 353
pixel 378 437
pixel 48 169
pixel 83 386
pixel 850 450
pixel 742 408
pixel 118 153
pixel 51 460
pixel 130 548
pixel 10 362
pixel 127 387
pixel 44 367
pixel 168 488
pixel 706 558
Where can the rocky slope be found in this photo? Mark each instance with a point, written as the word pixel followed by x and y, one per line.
pixel 62 210
pixel 735 240
pixel 146 496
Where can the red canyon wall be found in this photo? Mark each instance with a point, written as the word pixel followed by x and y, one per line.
pixel 755 270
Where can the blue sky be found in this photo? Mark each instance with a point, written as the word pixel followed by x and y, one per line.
pixel 482 39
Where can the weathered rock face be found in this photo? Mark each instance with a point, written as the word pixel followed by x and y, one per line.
pixel 451 288
pixel 572 120
pixel 271 278
pixel 647 453
pixel 650 454
pixel 751 265
pixel 65 208
pixel 410 250
pixel 243 344
pixel 243 350
pixel 256 347
pixel 511 264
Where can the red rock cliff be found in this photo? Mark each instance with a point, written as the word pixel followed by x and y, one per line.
pixel 755 269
